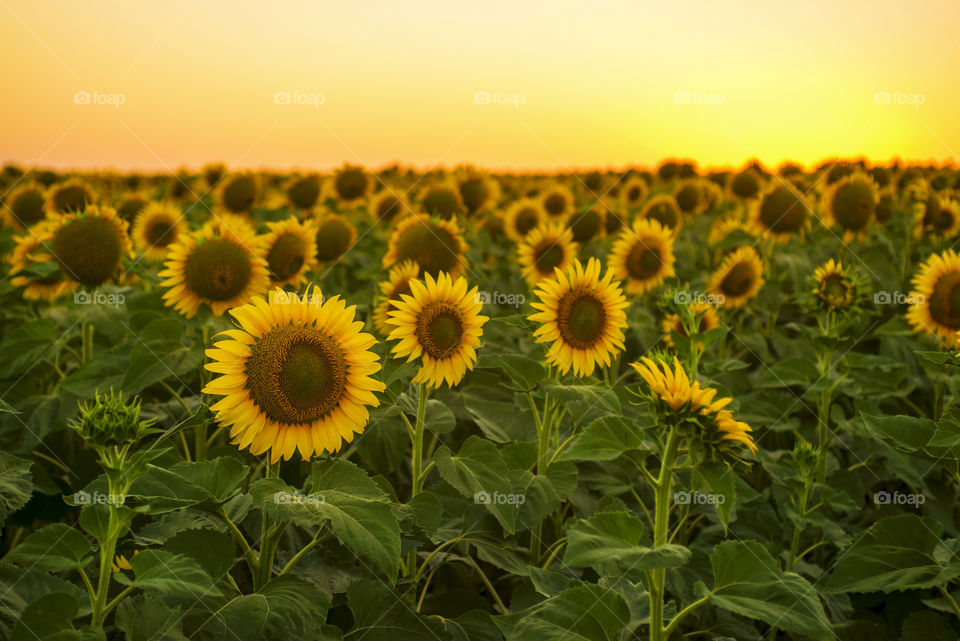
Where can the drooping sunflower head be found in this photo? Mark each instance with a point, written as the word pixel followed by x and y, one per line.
pixel 397 284
pixel 440 323
pixel 237 193
pixel 443 200
pixel 692 410
pixel 546 248
pixel 850 204
pixel 88 245
pixel 350 184
pixel 780 213
pixel 478 190
pixel 70 196
pixel 388 206
pixel 335 235
pixel 582 316
pixel 642 257
pixel 689 197
pixel 633 192
pixel 738 278
pixel 290 249
pixel 588 224
pixel 745 185
pixel 664 210
pixel 834 287
pixel 303 191
pixel 31 251
pixel 156 227
pixel 522 216
pixel 219 270
pixel 935 298
pixel 435 244
pixel 557 200
pixel 296 375
pixel 24 206
pixel 704 314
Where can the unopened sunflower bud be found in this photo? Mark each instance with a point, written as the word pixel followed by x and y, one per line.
pixel 109 421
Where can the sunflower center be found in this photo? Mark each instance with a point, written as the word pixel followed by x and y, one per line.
pixel 287 256
pixel 333 239
pixel 28 207
pixel 474 193
pixel 388 208
pixel 296 374
pixel 527 219
pixel 89 249
pixel 945 300
pixel 782 211
pixel 586 226
pixel 160 233
pixel 303 193
pixel 745 185
pixel 581 318
pixel 432 247
pixel 71 198
pixel 688 197
pixel 547 255
pixel 217 270
pixel 555 204
pixel 633 194
pixel 834 287
pixel 738 281
pixel 440 329
pixel 351 184
pixel 643 262
pixel 853 204
pixel 665 214
pixel 441 202
pixel 239 193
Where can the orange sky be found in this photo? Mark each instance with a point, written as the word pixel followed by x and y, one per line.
pixel 570 84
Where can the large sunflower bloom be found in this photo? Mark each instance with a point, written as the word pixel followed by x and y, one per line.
pixel 156 227
pixel 738 278
pixel 295 376
pixel 642 256
pixel 935 307
pixel 88 245
pixel 546 248
pixel 290 250
pixel 439 322
pixel 582 316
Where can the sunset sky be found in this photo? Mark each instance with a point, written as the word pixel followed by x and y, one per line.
pixel 600 83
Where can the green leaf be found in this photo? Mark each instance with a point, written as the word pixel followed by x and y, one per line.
pixel 379 614
pixel 54 548
pixel 207 483
pixel 615 537
pixel 212 550
pixel 47 618
pixel 583 613
pixel 169 574
pixel 498 416
pixel 719 481
pixel 605 439
pixel 524 372
pixel 906 433
pixel 158 353
pixel 242 618
pixel 788 373
pixel 586 403
pixel 748 582
pixel 296 607
pixel 479 472
pixel 26 345
pixel 16 484
pixel 927 625
pixel 143 618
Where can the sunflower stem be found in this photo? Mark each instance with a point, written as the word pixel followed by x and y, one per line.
pixel 86 342
pixel 823 414
pixel 661 523
pixel 416 461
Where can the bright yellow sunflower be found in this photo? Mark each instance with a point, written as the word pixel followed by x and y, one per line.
pixel 936 216
pixel 674 389
pixel 738 278
pixel 222 221
pixel 781 213
pixel 705 313
pixel 24 206
pixel 436 245
pixel 32 248
pixel 72 195
pixel 522 216
pixel 546 248
pixel 295 376
pixel 388 206
pixel 397 283
pixel 350 185
pixel 334 237
pixel 834 287
pixel 156 227
pixel 290 249
pixel 219 270
pixel 850 203
pixel 664 210
pixel 557 201
pixel 88 244
pixel 440 323
pixel 632 192
pixel 582 316
pixel 935 306
pixel 236 193
pixel 642 256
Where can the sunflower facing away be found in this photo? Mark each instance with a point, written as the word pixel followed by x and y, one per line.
pixel 547 247
pixel 30 249
pixel 582 316
pixel 707 319
pixel 834 288
pixel 664 210
pixel 221 271
pixel 935 306
pixel 295 376
pixel 72 195
pixel 850 204
pixel 780 214
pixel 439 322
pixel 435 244
pixel 738 278
pixel 334 237
pixel 23 207
pixel 522 216
pixel 397 283
pixel 155 228
pixel 676 392
pixel 88 245
pixel 238 192
pixel 290 250
pixel 642 257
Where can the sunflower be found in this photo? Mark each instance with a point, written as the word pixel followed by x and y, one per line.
pixel 705 315
pixel 724 227
pixel 157 227
pixel 350 185
pixel 935 297
pixel 73 195
pixel 850 204
pixel 582 316
pixel 633 192
pixel 30 249
pixel 937 215
pixel 435 244
pixel 388 206
pixel 547 247
pixel 88 245
pixel 219 270
pixel 745 185
pixel 834 287
pixel 303 191
pixel 132 204
pixel 664 210
pixel 588 224
pixel 295 376
pixel 689 197
pixel 780 213
pixel 676 392
pixel 24 206
pixel 557 201
pixel 478 190
pixel 238 192
pixel 642 256
pixel 221 222
pixel 738 279
pixel 439 322
pixel 397 283
pixel 522 216
pixel 290 249
pixel 212 173
pixel 334 237
pixel 442 199
pixel 886 205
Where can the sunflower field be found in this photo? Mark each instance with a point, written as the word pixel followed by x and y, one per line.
pixel 457 405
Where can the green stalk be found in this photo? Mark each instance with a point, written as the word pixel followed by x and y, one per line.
pixel 416 463
pixel 661 523
pixel 544 430
pixel 823 416
pixel 795 543
pixel 681 614
pixel 86 342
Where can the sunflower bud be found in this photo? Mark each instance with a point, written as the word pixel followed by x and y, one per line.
pixel 108 421
pixel 804 461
